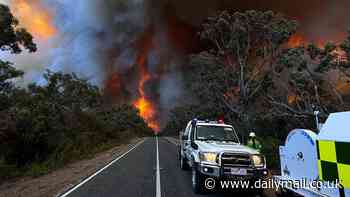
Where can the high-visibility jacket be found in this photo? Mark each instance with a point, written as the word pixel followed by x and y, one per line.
pixel 254 143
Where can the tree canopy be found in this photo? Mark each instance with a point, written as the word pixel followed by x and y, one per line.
pixel 12 37
pixel 249 74
pixel 241 57
pixel 45 126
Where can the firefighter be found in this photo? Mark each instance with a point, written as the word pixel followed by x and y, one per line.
pixel 253 142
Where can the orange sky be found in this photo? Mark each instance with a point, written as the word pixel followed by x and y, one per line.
pixel 34 18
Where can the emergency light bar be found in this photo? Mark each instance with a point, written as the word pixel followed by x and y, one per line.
pixel 195 121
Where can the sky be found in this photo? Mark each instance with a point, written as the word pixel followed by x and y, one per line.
pixel 79 36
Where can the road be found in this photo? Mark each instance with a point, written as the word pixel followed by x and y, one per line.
pixel 143 171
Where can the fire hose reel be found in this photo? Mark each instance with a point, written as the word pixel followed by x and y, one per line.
pixel 299 155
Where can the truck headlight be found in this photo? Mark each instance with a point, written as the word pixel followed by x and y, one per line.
pixel 208 157
pixel 258 160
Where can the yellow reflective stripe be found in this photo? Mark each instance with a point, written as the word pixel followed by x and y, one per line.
pixel 327 151
pixel 319 169
pixel 344 172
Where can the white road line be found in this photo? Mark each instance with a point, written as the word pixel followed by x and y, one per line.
pixel 158 190
pixel 99 171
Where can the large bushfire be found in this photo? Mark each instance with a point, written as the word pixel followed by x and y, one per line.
pixel 34 18
pixel 341 86
pixel 99 32
pixel 144 105
pixel 180 39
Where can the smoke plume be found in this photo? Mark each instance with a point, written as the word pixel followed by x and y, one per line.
pixel 135 49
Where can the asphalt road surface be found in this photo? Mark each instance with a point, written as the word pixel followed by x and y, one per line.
pixel 143 171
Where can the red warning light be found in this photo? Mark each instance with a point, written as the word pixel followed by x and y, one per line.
pixel 221 120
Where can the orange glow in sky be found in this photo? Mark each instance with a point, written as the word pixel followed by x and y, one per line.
pixel 34 18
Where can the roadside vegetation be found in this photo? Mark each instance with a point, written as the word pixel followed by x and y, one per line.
pixel 248 73
pixel 44 127
pixel 252 76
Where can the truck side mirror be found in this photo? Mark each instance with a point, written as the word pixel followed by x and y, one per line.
pixel 194 145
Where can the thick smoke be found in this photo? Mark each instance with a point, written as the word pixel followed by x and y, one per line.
pixel 319 19
pixel 102 40
pixel 93 33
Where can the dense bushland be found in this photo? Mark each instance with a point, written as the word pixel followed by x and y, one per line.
pixel 43 127
pixel 250 75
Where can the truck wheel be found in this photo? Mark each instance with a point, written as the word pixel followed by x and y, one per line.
pixel 183 163
pixel 197 181
pixel 259 192
pixel 284 193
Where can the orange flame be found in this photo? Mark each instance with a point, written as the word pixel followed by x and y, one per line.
pixel 113 84
pixel 343 87
pixel 34 18
pixel 300 39
pixel 291 98
pixel 143 104
pixel 296 40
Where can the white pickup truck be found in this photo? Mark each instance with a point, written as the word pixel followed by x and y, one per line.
pixel 213 149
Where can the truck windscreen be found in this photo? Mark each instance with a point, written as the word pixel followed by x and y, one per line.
pixel 216 133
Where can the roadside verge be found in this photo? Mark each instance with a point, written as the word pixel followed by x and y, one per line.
pixel 61 180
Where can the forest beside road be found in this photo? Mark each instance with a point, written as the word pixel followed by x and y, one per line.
pixel 249 72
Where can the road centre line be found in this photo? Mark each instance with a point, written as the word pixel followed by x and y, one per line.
pixel 158 187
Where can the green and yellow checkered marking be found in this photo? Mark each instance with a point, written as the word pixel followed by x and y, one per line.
pixel 334 161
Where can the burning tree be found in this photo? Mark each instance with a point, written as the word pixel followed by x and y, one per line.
pixel 309 78
pixel 242 51
pixel 249 73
